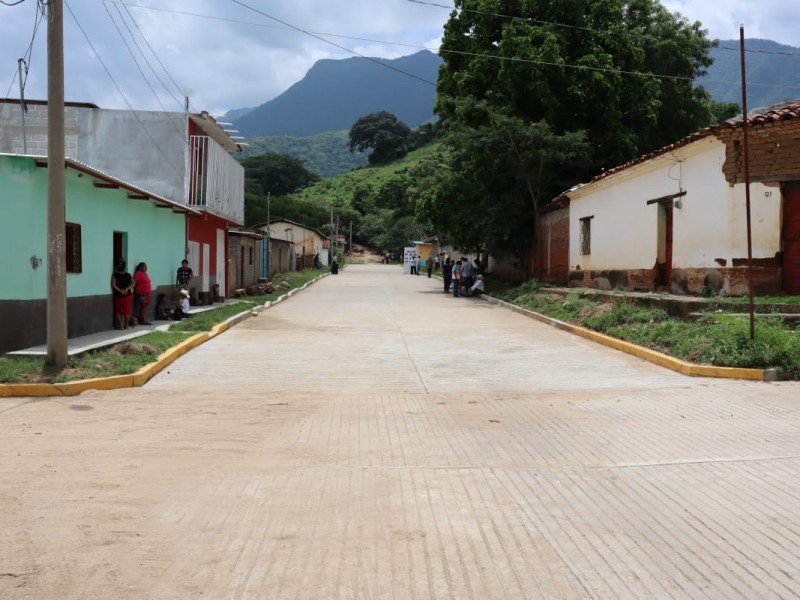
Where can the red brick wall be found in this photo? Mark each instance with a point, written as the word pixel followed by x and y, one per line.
pixel 773 148
pixel 552 264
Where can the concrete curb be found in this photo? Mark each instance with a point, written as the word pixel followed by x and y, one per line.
pixel 146 373
pixel 658 358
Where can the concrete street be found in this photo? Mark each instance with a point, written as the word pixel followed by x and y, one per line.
pixel 372 437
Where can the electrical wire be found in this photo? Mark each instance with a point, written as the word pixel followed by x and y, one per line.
pixel 136 62
pixel 121 93
pixel 322 39
pixel 155 54
pixel 40 14
pixel 318 35
pixel 4 3
pixel 588 29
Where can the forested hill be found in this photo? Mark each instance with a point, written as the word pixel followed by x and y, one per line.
pixel 335 93
pixel 773 73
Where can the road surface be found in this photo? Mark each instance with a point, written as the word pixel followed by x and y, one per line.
pixel 372 437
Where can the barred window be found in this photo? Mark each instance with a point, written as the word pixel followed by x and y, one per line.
pixel 586 235
pixel 73 247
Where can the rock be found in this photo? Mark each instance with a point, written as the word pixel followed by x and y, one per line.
pixel 133 349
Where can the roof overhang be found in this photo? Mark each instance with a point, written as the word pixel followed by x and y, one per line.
pixel 214 130
pixel 104 180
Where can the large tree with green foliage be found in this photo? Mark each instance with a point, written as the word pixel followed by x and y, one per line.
pixel 539 95
pixel 621 71
pixel 383 133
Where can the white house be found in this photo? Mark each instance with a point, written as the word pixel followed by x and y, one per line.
pixel 676 219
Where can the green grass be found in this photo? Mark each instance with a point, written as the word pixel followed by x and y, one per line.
pixel 718 340
pixel 98 363
pixel 107 361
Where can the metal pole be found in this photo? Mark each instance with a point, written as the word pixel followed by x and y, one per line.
pixel 56 247
pixel 22 107
pixel 747 188
pixel 269 229
pixel 351 239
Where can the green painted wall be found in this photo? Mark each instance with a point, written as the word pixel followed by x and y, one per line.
pixel 155 235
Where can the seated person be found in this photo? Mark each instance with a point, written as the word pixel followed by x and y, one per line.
pixel 181 310
pixel 162 312
pixel 478 287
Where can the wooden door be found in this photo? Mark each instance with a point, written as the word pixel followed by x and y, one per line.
pixel 665 242
pixel 791 241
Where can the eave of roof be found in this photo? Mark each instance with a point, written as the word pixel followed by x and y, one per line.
pixel 212 129
pixel 134 192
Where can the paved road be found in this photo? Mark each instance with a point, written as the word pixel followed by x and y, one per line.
pixel 374 438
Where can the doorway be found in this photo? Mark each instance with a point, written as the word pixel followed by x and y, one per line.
pixel 664 259
pixel 120 247
pixel 791 240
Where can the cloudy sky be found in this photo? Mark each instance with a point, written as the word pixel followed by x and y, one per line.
pixel 234 53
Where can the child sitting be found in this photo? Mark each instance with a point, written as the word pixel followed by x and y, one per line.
pixel 181 310
pixel 162 312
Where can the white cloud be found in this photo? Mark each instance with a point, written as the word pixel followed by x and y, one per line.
pixel 233 57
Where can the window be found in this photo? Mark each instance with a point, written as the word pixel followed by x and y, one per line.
pixel 251 255
pixel 73 246
pixel 586 235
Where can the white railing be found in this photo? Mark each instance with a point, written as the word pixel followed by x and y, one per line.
pixel 216 180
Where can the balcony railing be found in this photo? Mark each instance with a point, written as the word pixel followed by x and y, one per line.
pixel 216 180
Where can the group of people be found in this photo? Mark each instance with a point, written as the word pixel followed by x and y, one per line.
pixel 132 295
pixel 463 276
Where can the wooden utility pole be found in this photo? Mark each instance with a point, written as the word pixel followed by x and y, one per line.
pixel 56 234
pixel 745 147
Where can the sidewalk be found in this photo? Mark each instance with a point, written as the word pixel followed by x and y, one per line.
pixel 84 343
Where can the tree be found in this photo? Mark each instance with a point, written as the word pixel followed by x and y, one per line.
pixel 590 65
pixel 536 96
pixel 500 172
pixel 381 132
pixel 278 174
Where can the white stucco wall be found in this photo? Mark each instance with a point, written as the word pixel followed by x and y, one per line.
pixel 710 224
pixel 149 148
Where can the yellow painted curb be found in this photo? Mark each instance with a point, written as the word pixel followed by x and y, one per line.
pixel 658 358
pixel 28 389
pixel 73 388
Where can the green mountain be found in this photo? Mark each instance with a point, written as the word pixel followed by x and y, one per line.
pixel 336 93
pixel 773 73
pixel 310 121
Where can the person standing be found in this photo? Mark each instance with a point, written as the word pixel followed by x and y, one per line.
pixel 142 291
pixel 429 266
pixel 121 289
pixel 456 278
pixel 184 276
pixel 413 266
pixel 447 275
pixel 466 273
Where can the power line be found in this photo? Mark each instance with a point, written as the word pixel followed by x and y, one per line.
pixel 587 29
pixel 318 35
pixel 322 39
pixel 155 54
pixel 121 93
pixel 40 13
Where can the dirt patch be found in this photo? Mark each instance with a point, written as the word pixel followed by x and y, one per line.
pixel 589 312
pixel 133 349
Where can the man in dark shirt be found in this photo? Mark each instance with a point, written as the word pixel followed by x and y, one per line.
pixel 185 275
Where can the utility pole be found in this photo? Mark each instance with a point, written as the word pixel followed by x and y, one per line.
pixel 56 202
pixel 745 136
pixel 269 230
pixel 22 108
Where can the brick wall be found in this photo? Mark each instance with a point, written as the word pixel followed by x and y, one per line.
pixel 552 263
pixel 773 148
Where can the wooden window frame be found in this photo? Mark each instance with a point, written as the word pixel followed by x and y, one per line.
pixel 73 248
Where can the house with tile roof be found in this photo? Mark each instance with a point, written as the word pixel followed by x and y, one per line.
pixel 676 219
pixel 107 219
